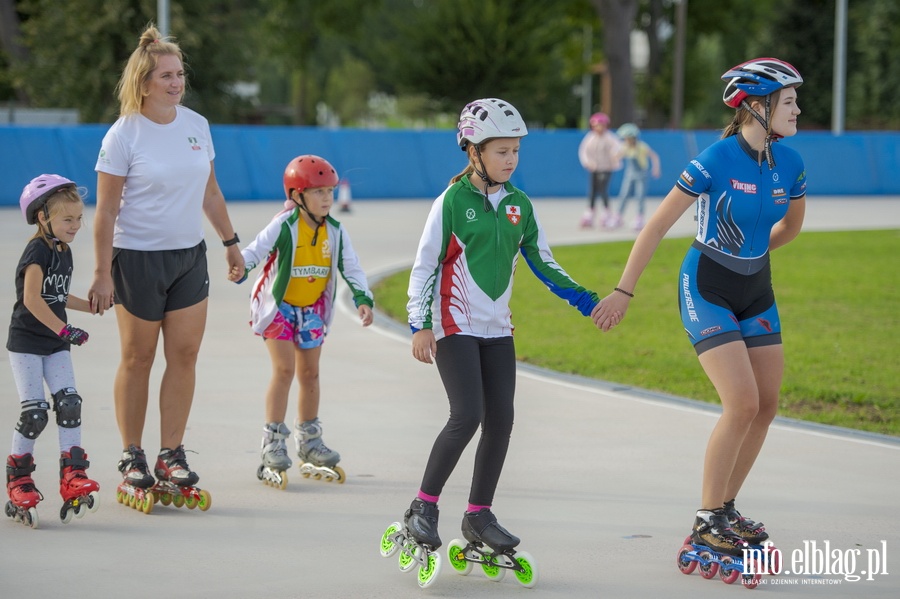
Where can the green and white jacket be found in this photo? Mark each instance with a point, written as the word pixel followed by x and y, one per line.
pixel 274 249
pixel 462 278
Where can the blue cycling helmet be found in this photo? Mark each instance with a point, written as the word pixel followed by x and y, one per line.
pixel 758 77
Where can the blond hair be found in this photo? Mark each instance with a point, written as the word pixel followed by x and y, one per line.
pixel 53 205
pixel 132 85
pixel 742 115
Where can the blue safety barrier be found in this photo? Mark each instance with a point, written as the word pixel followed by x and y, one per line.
pixel 250 160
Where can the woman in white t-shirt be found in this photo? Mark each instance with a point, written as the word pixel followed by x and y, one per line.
pixel 155 181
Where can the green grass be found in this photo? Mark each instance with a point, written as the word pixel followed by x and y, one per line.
pixel 838 296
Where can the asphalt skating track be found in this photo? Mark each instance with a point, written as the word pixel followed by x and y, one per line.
pixel 601 481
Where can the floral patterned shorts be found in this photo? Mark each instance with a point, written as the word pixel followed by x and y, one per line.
pixel 305 326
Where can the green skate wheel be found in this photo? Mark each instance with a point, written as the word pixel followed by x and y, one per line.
pixel 406 561
pixel 427 575
pixel 528 575
pixel 457 557
pixel 388 547
pixel 205 501
pixel 491 568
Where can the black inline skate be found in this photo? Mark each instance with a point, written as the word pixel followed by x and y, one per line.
pixel 176 481
pixel 417 541
pixel 135 488
pixel 493 547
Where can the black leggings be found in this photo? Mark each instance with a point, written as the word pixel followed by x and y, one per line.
pixel 600 185
pixel 480 378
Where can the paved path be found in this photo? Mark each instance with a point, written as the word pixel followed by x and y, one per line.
pixel 601 482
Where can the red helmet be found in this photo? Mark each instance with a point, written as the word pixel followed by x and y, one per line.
pixel 308 171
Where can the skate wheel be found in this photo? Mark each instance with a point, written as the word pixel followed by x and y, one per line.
pixel 120 496
pixel 774 560
pixel 456 555
pixel 341 476
pixel 93 500
pixel 165 499
pixel 146 505
pixel 31 518
pixel 685 564
pixel 750 581
pixel 81 509
pixel 708 567
pixel 388 547
pixel 190 502
pixel 65 514
pixel 491 569
pixel 528 575
pixel 178 500
pixel 728 572
pixel 205 501
pixel 427 575
pixel 406 561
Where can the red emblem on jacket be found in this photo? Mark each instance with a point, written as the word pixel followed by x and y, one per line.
pixel 513 214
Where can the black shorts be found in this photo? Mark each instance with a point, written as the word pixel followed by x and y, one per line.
pixel 149 284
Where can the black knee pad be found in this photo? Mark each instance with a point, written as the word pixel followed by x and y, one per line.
pixel 67 405
pixel 33 418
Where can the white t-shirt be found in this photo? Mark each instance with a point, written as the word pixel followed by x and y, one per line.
pixel 166 168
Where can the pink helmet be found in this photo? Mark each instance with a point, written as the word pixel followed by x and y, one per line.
pixel 36 193
pixel 599 118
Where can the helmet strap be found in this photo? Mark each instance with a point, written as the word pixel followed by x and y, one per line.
pixel 765 123
pixel 488 182
pixel 302 205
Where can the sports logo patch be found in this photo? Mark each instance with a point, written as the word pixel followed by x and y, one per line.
pixel 513 214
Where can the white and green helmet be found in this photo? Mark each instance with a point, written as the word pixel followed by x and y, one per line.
pixel 488 118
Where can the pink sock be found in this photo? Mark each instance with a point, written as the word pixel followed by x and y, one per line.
pixel 426 497
pixel 477 508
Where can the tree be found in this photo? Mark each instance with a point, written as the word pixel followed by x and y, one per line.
pixel 618 20
pixel 76 50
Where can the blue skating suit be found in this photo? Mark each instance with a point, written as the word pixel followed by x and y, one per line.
pixel 725 288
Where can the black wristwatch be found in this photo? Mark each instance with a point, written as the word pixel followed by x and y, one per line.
pixel 233 241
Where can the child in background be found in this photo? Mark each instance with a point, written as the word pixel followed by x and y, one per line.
pixel 301 251
pixel 38 344
pixel 640 162
pixel 599 155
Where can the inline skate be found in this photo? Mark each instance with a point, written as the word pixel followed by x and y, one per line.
pixel 754 533
pixel 417 541
pixel 275 460
pixel 493 547
pixel 135 490
pixel 80 494
pixel 176 481
pixel 587 219
pixel 716 548
pixel 23 495
pixel 316 459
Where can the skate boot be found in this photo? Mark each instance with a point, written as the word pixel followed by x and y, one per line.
pixel 275 460
pixel 716 534
pixel 417 541
pixel 316 459
pixel 176 480
pixel 752 532
pixel 23 495
pixel 172 466
pixel 587 219
pixel 135 488
pixel 614 221
pixel 482 527
pixel 80 494
pixel 493 548
pixel 755 534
